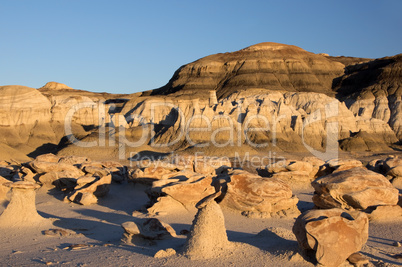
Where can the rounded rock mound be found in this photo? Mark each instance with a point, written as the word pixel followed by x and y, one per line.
pixel 264 66
pixel 55 86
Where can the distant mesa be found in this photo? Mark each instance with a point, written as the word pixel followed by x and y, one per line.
pixel 55 86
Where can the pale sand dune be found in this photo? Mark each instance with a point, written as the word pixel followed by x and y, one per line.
pixel 100 228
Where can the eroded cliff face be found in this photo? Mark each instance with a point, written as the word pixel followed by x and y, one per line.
pixel 284 121
pixel 269 66
pixel 374 90
pixel 33 121
pixel 24 119
pixel 22 105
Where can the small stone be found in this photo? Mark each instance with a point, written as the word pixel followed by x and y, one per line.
pixel 77 246
pixel 397 244
pixel 59 232
pixel 165 253
pixel 131 228
pixel 358 259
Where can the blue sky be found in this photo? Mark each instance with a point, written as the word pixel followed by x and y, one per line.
pixel 131 46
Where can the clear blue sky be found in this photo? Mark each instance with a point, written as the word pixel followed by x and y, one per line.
pixel 131 46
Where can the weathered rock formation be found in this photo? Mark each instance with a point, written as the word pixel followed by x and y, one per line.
pixel 273 120
pixel 255 196
pixel 270 66
pixel 24 119
pixel 21 211
pixel 390 167
pixel 373 90
pixel 84 180
pixel 243 192
pixel 331 235
pixel 149 229
pixel 90 188
pixel 296 173
pixel 356 188
pixel 207 238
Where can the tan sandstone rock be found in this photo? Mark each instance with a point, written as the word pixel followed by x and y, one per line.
pixel 88 193
pixel 150 229
pixel 356 188
pixel 254 195
pixel 164 253
pixel 21 211
pixel 331 235
pixel 207 238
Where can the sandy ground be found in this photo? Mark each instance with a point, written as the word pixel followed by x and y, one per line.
pixel 99 227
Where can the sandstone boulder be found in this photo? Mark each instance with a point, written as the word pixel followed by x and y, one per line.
pixel 49 157
pixel 395 171
pixel 317 165
pixel 167 205
pixel 386 213
pixel 188 192
pixel 164 253
pixel 88 193
pixel 397 182
pixel 295 179
pixel 297 174
pixel 209 165
pixel 300 166
pixel 156 229
pixel 356 188
pixel 331 235
pixel 391 162
pixel 343 164
pixel 149 229
pixel 75 160
pixel 41 167
pixel 254 195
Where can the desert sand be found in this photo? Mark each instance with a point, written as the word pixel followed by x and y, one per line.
pixel 258 242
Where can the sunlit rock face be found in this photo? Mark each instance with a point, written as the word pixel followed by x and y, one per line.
pixel 21 105
pixel 262 66
pixel 24 120
pixel 287 120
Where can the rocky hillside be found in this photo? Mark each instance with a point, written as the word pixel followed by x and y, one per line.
pixel 373 90
pixel 267 97
pixel 33 121
pixel 269 66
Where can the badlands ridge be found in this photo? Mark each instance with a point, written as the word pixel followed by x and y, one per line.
pixel 274 88
pixel 281 156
